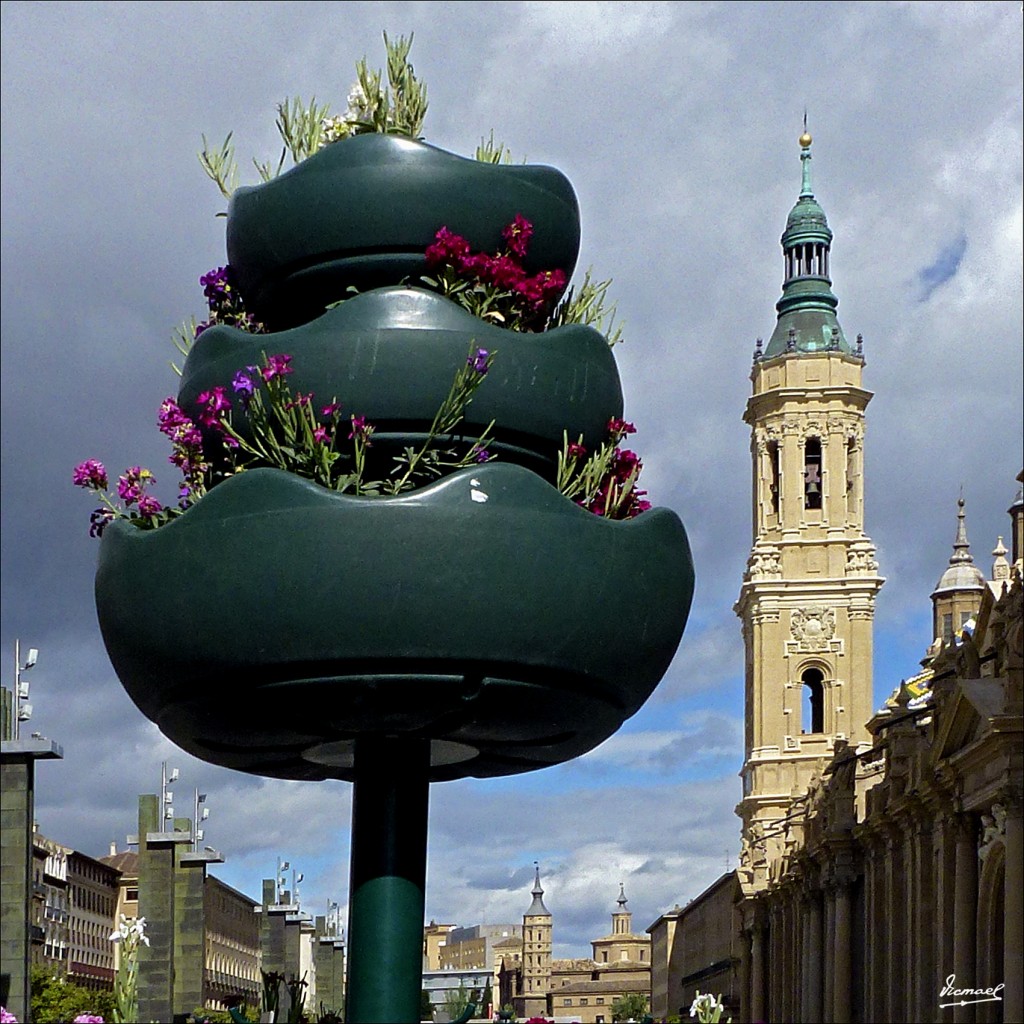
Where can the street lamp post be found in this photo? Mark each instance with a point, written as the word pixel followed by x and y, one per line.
pixel 22 712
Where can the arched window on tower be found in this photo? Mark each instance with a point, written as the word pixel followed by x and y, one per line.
pixel 773 479
pixel 812 473
pixel 813 718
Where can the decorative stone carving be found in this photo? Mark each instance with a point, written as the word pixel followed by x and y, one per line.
pixel 812 628
pixel 860 558
pixel 764 563
pixel 993 829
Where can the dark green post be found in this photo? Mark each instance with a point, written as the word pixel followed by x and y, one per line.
pixel 388 875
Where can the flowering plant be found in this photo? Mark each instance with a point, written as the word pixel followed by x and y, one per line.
pixel 397 108
pixel 289 431
pixel 131 934
pixel 708 1008
pixel 603 481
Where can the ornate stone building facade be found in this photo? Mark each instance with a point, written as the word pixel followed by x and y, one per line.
pixel 880 870
pixel 881 866
pixel 808 595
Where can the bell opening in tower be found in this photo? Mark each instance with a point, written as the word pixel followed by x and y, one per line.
pixel 773 469
pixel 813 717
pixel 812 473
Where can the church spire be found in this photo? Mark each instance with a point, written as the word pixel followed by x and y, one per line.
pixel 807 309
pixel 537 907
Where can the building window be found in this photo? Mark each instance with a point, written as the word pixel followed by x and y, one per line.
pixel 947 627
pixel 604 956
pixel 567 1002
pixel 583 1001
pixel 813 720
pixel 812 473
pixel 599 1000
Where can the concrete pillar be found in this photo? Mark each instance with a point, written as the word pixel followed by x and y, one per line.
pixel 926 897
pixel 965 912
pixel 944 849
pixel 744 979
pixel 17 813
pixel 1013 927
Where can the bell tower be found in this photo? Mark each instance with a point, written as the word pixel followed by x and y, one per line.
pixel 808 593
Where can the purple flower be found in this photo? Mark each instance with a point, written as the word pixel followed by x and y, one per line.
pixel 322 435
pixel 90 474
pixel 483 455
pixel 134 481
pixel 149 506
pixel 215 284
pixel 330 410
pixel 277 366
pixel 244 382
pixel 477 362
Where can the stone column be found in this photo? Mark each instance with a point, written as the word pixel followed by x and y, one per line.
pixel 756 1007
pixel 896 946
pixel 843 946
pixel 944 847
pixel 1013 885
pixel 813 979
pixel 926 897
pixel 831 949
pixel 965 912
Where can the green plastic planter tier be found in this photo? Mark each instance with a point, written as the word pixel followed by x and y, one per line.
pixel 485 618
pixel 390 355
pixel 362 212
pixel 276 622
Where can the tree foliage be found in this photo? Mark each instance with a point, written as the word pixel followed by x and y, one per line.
pixel 55 1000
pixel 631 1006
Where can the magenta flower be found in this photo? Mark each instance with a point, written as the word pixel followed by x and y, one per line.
pixel 518 235
pixel 213 404
pixel 361 430
pixel 447 247
pixel 277 366
pixel 477 362
pixel 90 474
pixel 321 435
pixel 619 428
pixel 299 400
pixel 576 451
pixel 131 485
pixel 330 410
pixel 149 506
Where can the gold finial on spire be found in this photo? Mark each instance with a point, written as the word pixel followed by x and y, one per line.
pixel 805 139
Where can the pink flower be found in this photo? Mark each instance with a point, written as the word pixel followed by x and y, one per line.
pixel 131 485
pixel 361 430
pixel 576 451
pixel 619 428
pixel 322 435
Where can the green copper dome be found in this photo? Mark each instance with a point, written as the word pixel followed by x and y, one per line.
pixel 807 309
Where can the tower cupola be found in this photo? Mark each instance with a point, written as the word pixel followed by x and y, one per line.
pixel 807 310
pixel 957 596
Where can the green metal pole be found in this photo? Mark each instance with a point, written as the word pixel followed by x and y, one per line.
pixel 387 880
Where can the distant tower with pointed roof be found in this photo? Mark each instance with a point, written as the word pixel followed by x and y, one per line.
pixel 536 953
pixel 957 596
pixel 808 594
pixel 622 946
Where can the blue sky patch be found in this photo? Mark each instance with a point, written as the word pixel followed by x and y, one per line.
pixel 944 267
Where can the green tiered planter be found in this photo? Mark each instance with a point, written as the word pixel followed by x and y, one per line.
pixel 481 626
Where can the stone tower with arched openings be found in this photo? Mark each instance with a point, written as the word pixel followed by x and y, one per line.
pixel 808 594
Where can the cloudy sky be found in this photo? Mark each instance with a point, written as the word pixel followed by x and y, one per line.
pixel 677 124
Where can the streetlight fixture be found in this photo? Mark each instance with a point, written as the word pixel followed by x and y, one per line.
pixel 199 834
pixel 22 712
pixel 280 879
pixel 166 796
